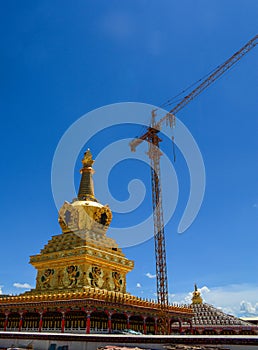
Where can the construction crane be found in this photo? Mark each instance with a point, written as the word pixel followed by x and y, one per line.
pixel 154 153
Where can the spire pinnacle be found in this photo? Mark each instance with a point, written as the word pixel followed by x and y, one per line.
pixel 86 190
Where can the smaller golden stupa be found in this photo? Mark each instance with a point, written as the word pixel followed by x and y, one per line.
pixel 196 298
pixel 82 256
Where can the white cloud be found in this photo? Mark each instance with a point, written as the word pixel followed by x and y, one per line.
pixel 204 290
pixel 248 308
pixel 138 285
pixel 149 275
pixel 1 292
pixel 22 285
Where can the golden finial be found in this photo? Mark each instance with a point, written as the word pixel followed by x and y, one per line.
pixel 87 160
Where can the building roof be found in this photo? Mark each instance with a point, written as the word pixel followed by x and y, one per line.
pixel 208 315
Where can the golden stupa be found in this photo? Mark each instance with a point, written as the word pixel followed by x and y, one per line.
pixel 196 298
pixel 82 255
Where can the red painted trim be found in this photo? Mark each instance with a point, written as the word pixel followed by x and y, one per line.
pixel 40 323
pixel 128 322
pixel 5 323
pixel 88 324
pixel 109 324
pixel 20 324
pixel 63 325
pixel 144 327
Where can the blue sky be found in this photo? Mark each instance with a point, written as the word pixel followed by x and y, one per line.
pixel 60 60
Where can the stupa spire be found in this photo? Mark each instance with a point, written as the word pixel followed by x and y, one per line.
pixel 86 189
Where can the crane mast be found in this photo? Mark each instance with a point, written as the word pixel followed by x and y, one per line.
pixel 154 153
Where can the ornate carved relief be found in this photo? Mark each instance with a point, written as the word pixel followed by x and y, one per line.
pixel 103 216
pixel 95 276
pixel 118 281
pixel 46 278
pixel 73 275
